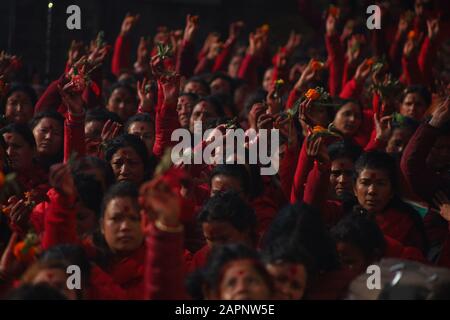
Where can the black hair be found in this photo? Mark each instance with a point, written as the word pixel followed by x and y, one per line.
pixel 223 76
pixel 280 252
pixel 90 191
pixel 362 231
pixel 237 171
pixel 123 85
pixel 200 81
pixel 378 160
pixel 230 207
pixel 128 140
pixel 21 129
pixel 47 114
pixel 420 90
pixel 89 162
pixel 27 89
pixel 222 255
pixel 344 149
pixel 216 104
pixel 101 114
pixel 194 284
pixel 72 254
pixel 139 117
pixel 301 225
pixel 123 189
pixel 194 97
pixel 39 291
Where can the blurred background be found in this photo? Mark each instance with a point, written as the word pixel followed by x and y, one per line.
pixel 24 23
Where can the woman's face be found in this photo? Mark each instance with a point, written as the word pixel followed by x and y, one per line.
pixel 184 110
pixel 19 151
pixel 19 108
pixel 289 280
pixel 233 66
pixel 146 132
pixel 241 281
pixel 267 80
pixel 121 226
pixel 123 103
pixel 341 176
pixel 413 106
pixel 195 87
pixel 203 111
pixel 348 119
pixel 373 190
pixel 56 278
pixel 49 136
pixel 127 165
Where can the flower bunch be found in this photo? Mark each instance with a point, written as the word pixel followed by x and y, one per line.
pixel 26 250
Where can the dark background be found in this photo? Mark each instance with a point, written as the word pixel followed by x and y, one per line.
pixel 23 23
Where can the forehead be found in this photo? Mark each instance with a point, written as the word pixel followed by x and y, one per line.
pixel 350 106
pixel 414 96
pixel 49 123
pixel 221 179
pixel 122 204
pixel 218 227
pixel 121 92
pixel 184 99
pixel 373 174
pixel 202 106
pixel 239 267
pixel 285 268
pixel 140 126
pixel 13 137
pixel 342 163
pixel 19 94
pixel 126 152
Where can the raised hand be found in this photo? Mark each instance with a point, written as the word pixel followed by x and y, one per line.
pixel 433 28
pixel 256 110
pixel 76 51
pixel 110 130
pixel 129 22
pixel 293 42
pixel 363 71
pixel 72 98
pixel 442 114
pixel 171 88
pixel 383 127
pixel 8 262
pixel 145 94
pixel 331 25
pixel 61 179
pixel 317 150
pixel 191 28
pixel 304 113
pixel 235 30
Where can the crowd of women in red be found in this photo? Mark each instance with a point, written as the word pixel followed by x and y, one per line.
pixel 364 123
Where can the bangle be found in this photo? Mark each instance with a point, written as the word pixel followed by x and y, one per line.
pixel 162 227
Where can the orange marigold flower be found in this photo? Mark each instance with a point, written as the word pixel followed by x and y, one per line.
pixel 22 256
pixel 412 34
pixel 334 11
pixel 265 28
pixel 2 179
pixel 317 65
pixel 317 129
pixel 312 94
pixel 370 62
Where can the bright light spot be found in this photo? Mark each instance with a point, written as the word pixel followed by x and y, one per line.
pixel 50 5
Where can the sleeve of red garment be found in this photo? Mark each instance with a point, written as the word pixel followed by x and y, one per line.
pixel 121 55
pixel 248 70
pixel 426 57
pixel 103 287
pixel 375 144
pixel 376 103
pixel 186 59
pixel 287 169
pixel 348 72
pixel 294 95
pixel 50 99
pixel 351 90
pixel 223 58
pixel 316 188
pixel 60 222
pixel 204 65
pixel 411 71
pixel 164 267
pixel 92 95
pixel 336 63
pixel 74 136
pixel 304 165
pixel 395 50
pixel 166 122
pixel 422 180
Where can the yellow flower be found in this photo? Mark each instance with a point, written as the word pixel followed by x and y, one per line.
pixel 312 94
pixel 265 28
pixel 279 82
